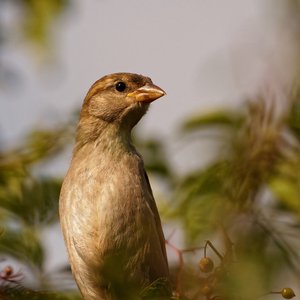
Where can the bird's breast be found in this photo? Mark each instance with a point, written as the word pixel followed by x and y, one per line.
pixel 107 203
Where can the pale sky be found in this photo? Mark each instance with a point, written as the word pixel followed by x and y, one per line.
pixel 204 54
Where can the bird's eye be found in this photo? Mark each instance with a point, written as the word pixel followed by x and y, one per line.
pixel 120 86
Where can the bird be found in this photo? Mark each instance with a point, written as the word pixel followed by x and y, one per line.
pixel 109 218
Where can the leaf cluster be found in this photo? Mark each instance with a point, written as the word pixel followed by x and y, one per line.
pixel 29 204
pixel 251 190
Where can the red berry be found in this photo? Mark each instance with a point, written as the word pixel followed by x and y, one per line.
pixel 8 270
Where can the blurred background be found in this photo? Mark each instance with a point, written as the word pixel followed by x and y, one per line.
pixel 222 148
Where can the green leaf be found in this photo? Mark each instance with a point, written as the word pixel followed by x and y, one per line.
pixel 24 245
pixel 43 144
pixel 39 18
pixel 159 290
pixel 204 215
pixel 36 202
pixel 293 119
pixel 199 183
pixel 16 292
pixel 222 118
pixel 154 156
pixel 287 191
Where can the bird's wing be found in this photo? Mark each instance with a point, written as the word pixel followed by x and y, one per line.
pixel 157 219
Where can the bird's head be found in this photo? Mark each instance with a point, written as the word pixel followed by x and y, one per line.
pixel 120 98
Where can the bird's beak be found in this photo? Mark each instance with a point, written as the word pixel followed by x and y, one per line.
pixel 147 93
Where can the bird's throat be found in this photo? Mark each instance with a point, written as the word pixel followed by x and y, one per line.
pixel 96 133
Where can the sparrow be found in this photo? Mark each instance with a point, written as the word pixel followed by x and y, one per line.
pixel 109 218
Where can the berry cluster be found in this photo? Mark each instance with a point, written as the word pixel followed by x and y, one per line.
pixel 212 277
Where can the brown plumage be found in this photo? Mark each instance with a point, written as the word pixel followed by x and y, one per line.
pixel 108 215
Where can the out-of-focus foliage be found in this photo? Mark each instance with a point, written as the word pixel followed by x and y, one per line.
pixel 155 157
pixel 38 17
pixel 251 192
pixel 158 289
pixel 28 205
pixel 31 23
pixel 18 293
pixel 35 18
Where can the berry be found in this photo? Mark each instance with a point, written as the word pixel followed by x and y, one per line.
pixel 8 270
pixel 206 290
pixel 287 293
pixel 206 265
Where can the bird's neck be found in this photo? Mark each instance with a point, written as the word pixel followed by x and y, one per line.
pixel 106 136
